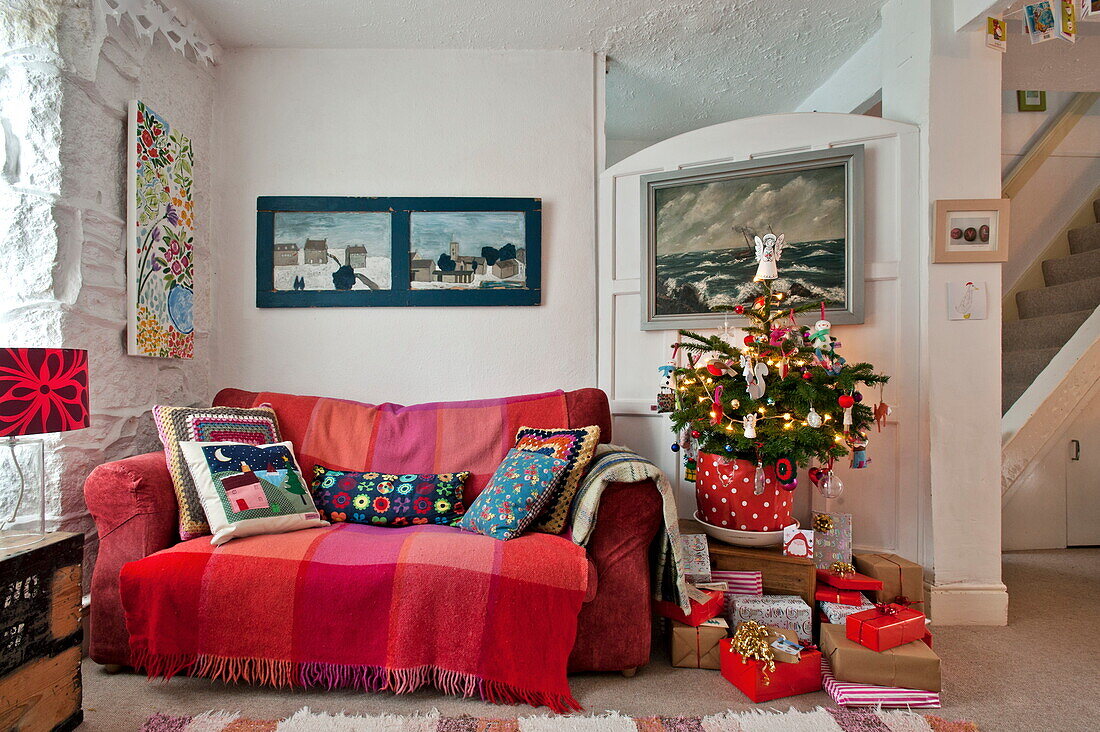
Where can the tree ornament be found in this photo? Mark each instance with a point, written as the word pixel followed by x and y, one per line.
pixel 857 396
pixel 675 447
pixel 815 475
pixel 754 373
pixel 845 401
pixel 729 447
pixel 758 479
pixel 831 486
pixel 717 412
pixel 716 367
pixel 749 340
pixel 696 434
pixel 748 422
pixel 857 443
pixel 768 252
pixel 813 419
pixel 786 473
pixel 739 309
pixel 807 375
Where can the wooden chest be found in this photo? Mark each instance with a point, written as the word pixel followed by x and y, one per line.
pixel 781 575
pixel 40 635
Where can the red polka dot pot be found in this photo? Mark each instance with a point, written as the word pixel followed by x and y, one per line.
pixel 725 497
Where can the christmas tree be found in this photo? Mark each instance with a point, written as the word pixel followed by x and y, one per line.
pixel 785 396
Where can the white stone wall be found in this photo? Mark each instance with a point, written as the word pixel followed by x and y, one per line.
pixel 65 82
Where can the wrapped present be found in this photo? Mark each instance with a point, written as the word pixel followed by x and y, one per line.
pixel 832 538
pixel 697 647
pixel 838 597
pixel 700 611
pixel 761 679
pixel 911 666
pixel 782 611
pixel 837 613
pixel 798 542
pixel 738 582
pixel 695 558
pixel 885 626
pixel 785 644
pixel 848 580
pixel 900 577
pixel 851 694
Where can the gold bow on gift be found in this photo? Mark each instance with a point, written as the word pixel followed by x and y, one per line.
pixel 823 522
pixel 751 641
pixel 842 568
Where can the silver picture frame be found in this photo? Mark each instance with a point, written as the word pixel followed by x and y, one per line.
pixel 850 157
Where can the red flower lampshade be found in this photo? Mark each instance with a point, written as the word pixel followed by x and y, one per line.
pixel 42 390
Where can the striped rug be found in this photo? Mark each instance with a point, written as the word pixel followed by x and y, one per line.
pixel 818 720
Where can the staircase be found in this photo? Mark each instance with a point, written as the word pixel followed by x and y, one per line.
pixel 1050 315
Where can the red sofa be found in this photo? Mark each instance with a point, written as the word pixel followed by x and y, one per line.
pixel 136 515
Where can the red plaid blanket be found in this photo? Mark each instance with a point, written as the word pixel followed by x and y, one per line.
pixel 362 606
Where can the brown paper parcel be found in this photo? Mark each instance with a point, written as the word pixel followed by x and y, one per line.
pixel 899 576
pixel 697 647
pixel 911 666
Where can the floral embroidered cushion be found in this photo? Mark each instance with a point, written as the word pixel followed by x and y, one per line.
pixel 218 424
pixel 515 496
pixel 250 489
pixel 383 499
pixel 576 447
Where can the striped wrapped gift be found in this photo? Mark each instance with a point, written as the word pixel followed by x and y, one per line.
pixel 738 582
pixel 849 694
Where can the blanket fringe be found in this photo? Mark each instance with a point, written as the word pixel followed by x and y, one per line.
pixel 270 672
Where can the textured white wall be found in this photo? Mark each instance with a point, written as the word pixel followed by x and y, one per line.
pixel 63 102
pixel 408 123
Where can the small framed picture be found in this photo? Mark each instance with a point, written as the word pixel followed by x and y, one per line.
pixel 1031 100
pixel 971 230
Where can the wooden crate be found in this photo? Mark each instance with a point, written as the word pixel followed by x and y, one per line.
pixel 781 575
pixel 40 635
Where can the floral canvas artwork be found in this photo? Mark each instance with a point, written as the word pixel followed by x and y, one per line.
pixel 160 226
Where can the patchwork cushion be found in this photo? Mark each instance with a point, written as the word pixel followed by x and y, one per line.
pixel 383 499
pixel 576 447
pixel 219 424
pixel 250 489
pixel 517 493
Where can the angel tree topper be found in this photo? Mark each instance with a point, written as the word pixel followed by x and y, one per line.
pixel 768 251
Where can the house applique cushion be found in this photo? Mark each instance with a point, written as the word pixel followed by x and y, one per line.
pixel 384 499
pixel 247 490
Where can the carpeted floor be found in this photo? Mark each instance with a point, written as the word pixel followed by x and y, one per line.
pixel 1036 674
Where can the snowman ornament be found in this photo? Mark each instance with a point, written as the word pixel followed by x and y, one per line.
pixel 768 251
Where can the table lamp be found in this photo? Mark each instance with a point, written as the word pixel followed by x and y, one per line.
pixel 42 391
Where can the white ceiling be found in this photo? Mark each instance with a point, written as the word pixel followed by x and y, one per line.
pixel 674 66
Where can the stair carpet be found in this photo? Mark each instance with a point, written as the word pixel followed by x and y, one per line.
pixel 1050 315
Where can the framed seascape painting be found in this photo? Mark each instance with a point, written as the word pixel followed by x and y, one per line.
pixel 160 235
pixel 700 224
pixel 364 252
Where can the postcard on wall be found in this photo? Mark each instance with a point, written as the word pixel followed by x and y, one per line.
pixel 966 301
pixel 1039 20
pixel 1066 20
pixel 996 34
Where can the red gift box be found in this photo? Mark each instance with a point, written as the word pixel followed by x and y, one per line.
pixel 849 581
pixel 724 492
pixel 700 612
pixel 788 679
pixel 843 597
pixel 886 627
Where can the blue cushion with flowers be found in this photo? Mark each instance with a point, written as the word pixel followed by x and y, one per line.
pixel 384 499
pixel 519 490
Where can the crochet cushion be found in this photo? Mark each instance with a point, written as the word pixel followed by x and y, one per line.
pixel 255 426
pixel 576 447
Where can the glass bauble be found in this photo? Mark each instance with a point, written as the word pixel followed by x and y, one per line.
pixel 831 486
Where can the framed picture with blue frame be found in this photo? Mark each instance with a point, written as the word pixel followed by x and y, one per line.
pixel 333 251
